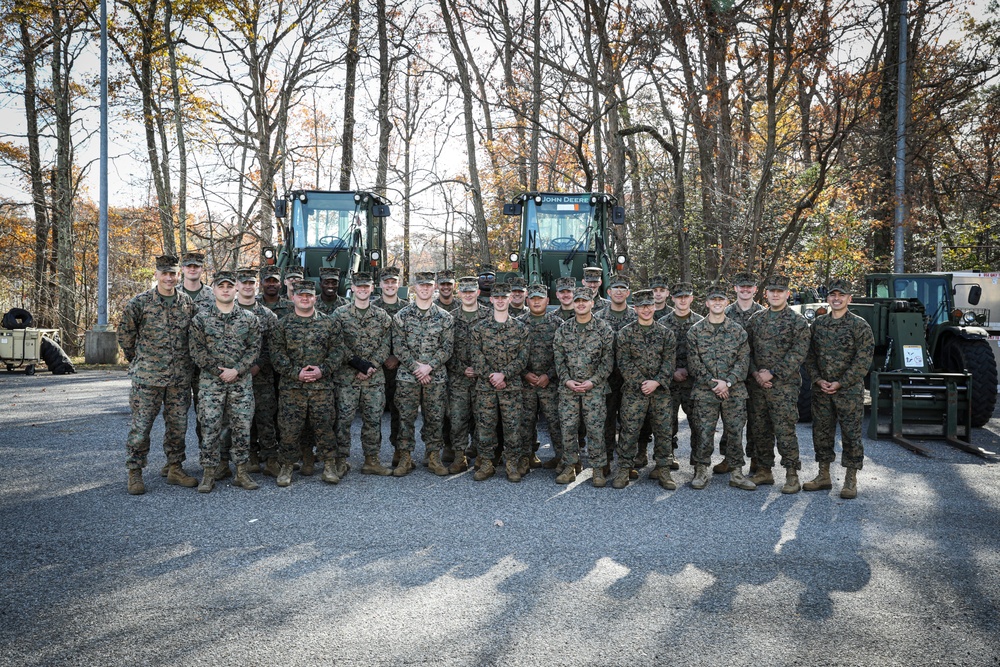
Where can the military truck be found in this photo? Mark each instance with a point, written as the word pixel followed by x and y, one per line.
pixel 563 233
pixel 338 229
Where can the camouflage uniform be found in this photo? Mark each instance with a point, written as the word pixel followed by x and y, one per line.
pixel 264 394
pixel 742 317
pixel 718 352
pixel 499 347
pixel 841 351
pixel 203 297
pixel 452 307
pixel 153 334
pixel 680 392
pixel 390 373
pixel 779 342
pixel 298 342
pixel 564 314
pixel 365 334
pixel 645 353
pixel 225 340
pixel 328 307
pixel 422 336
pixel 617 320
pixel 541 361
pixel 584 352
pixel 280 309
pixel 462 389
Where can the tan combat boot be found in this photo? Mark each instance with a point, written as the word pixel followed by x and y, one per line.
pixel 656 471
pixel 739 481
pixel 486 470
pixel 666 480
pixel 762 476
pixel 534 462
pixel 791 481
pixel 599 480
pixel 373 466
pixel 405 466
pixel 621 479
pixel 243 478
pixel 513 474
pixel 553 463
pixel 285 475
pixel 850 490
pixel 460 464
pixel 136 487
pixel 447 455
pixel 164 470
pixel 176 475
pixel 272 468
pixel 701 477
pixel 567 475
pixel 721 468
pixel 396 453
pixel 435 465
pixel 308 462
pixel 207 480
pixel 330 475
pixel 223 471
pixel 672 463
pixel 753 464
pixel 524 465
pixel 822 481
pixel 253 465
pixel 342 466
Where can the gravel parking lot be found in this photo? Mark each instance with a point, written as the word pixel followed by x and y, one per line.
pixel 448 571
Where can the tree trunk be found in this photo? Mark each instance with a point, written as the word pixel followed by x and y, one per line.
pixel 384 126
pixel 350 81
pixel 175 87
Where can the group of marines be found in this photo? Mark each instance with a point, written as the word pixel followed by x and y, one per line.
pixel 278 377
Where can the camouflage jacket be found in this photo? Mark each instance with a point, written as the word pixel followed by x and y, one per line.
pixel 422 337
pixel 742 317
pixel 661 313
pixel 779 342
pixel 515 311
pixel 617 320
pixel 584 353
pixel 267 321
pixel 327 308
pixel 154 337
pixel 455 304
pixel 841 349
pixel 363 333
pixel 645 353
pixel 718 352
pixel 227 340
pixel 499 347
pixel 298 342
pixel 563 314
pixel 392 309
pixel 600 303
pixel 282 308
pixel 541 336
pixel 204 298
pixel 461 351
pixel 680 327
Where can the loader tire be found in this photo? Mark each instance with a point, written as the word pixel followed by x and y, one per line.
pixel 976 357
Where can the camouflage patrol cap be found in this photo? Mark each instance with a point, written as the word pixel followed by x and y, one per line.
pixel 716 291
pixel 193 259
pixel 223 277
pixel 658 280
pixel 487 270
pixel 329 273
pixel 618 280
pixel 389 273
pixel 270 271
pixel 839 285
pixel 681 289
pixel 744 279
pixel 446 276
pixel 643 297
pixel 167 263
pixel 537 289
pixel 246 274
pixel 778 282
pixel 468 284
pixel 518 284
pixel 566 282
pixel 294 272
pixel 500 289
pixel 592 273
pixel 424 278
pixel 304 287
pixel 583 293
pixel 361 278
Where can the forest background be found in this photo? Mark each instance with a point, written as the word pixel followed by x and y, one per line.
pixel 738 135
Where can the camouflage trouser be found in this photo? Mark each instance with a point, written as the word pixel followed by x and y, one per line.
pixel 613 404
pixel 724 441
pixel 195 383
pixel 295 406
pixel 265 413
pixel 846 407
pixel 390 402
pixel 145 403
pixel 370 397
pixel 708 408
pixel 775 412
pixel 546 402
pixel 494 407
pixel 229 405
pixel 680 398
pixel 431 399
pixel 461 396
pixel 636 409
pixel 587 408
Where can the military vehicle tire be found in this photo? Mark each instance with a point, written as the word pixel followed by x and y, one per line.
pixel 805 397
pixel 29 369
pixel 975 356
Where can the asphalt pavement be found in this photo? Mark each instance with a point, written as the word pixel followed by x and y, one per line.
pixel 448 571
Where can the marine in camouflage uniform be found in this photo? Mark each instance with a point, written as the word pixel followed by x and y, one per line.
pixel 840 352
pixel 389 280
pixel 518 294
pixel 565 287
pixel 584 354
pixel 153 335
pixel 422 338
pixel 499 346
pixel 270 296
pixel 680 387
pixel 365 333
pixel 617 314
pixel 329 284
pixel 661 292
pixel 644 354
pixel 541 383
pixel 225 342
pixel 446 300
pixel 718 358
pixel 487 278
pixel 263 434
pixel 461 375
pixel 779 342
pixel 192 268
pixel 306 355
pixel 592 278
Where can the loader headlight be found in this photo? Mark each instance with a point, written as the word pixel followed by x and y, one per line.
pixel 809 314
pixel 969 318
pixel 513 257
